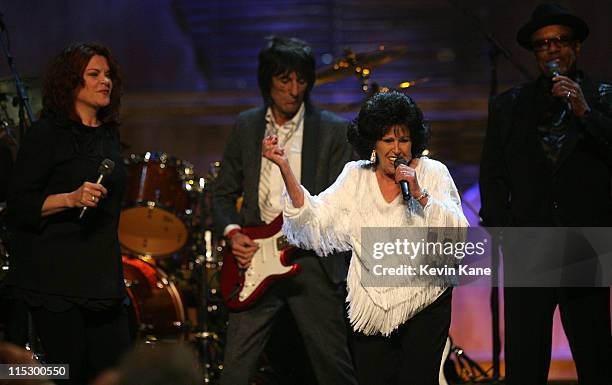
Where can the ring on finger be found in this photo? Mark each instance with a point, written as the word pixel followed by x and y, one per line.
pixel 93 198
pixel 569 94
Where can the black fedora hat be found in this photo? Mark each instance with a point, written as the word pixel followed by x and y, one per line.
pixel 549 14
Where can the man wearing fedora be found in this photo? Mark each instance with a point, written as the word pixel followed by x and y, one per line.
pixel 547 162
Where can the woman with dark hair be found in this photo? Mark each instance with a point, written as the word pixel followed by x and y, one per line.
pixel 401 329
pixel 67 265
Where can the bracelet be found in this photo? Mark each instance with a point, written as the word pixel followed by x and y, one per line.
pixel 424 194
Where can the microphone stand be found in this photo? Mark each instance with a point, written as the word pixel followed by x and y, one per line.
pixel 495 50
pixel 25 109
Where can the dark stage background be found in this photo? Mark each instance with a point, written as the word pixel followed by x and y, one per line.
pixel 190 67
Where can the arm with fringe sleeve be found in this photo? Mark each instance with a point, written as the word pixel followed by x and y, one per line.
pixel 443 208
pixel 322 223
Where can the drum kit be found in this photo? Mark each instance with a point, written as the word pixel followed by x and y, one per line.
pixel 166 234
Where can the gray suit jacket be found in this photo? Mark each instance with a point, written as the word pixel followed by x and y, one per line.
pixel 325 151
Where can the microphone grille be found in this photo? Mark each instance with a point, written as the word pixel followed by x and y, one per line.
pixel 106 167
pixel 399 161
pixel 552 67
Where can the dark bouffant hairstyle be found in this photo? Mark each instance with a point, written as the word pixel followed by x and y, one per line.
pixel 65 75
pixel 281 56
pixel 381 112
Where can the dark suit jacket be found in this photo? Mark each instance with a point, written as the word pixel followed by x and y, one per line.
pixel 325 151
pixel 519 188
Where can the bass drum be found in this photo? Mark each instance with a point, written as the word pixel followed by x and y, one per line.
pixel 157 312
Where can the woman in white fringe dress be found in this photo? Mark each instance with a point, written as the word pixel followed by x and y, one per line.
pixel 400 330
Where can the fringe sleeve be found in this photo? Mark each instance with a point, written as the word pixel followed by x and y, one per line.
pixel 443 208
pixel 322 223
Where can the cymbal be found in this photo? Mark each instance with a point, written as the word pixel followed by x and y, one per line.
pixel 412 83
pixel 358 63
pixel 376 88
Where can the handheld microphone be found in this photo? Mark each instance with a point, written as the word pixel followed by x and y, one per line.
pixel 553 69
pixel 105 169
pixel 403 184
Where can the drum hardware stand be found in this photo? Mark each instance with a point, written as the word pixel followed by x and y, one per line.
pixel 33 345
pixel 202 335
pixel 204 242
pixel 6 123
pixel 22 96
pixel 469 369
pixel 207 339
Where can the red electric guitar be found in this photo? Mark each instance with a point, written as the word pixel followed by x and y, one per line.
pixel 242 287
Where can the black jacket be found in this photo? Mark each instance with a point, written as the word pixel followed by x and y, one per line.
pixel 61 254
pixel 517 185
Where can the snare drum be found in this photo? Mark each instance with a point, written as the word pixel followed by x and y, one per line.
pixel 157 309
pixel 157 204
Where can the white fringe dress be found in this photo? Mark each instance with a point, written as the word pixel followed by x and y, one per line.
pixel 332 221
